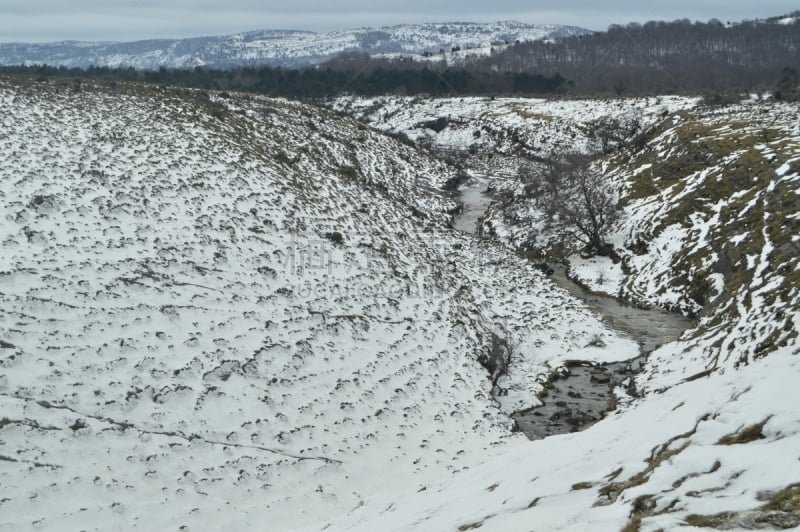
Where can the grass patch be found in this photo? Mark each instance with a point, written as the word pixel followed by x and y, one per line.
pixel 528 115
pixel 611 491
pixel 787 500
pixel 781 512
pixel 748 434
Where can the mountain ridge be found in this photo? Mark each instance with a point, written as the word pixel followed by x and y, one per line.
pixel 285 48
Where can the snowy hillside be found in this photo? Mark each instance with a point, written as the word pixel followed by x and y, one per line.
pixel 510 129
pixel 227 311
pixel 281 48
pixel 247 313
pixel 711 227
pixel 708 226
pixel 708 197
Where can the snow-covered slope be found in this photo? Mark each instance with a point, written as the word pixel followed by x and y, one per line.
pixel 512 130
pixel 720 452
pixel 709 225
pixel 281 48
pixel 246 313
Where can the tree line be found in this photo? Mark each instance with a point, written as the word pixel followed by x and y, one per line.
pixel 317 83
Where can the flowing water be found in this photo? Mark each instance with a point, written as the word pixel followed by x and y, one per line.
pixel 475 202
pixel 581 393
pixel 650 328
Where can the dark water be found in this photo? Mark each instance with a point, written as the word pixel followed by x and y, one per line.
pixel 578 396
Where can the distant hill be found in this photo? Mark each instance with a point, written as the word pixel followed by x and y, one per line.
pixel 665 56
pixel 281 47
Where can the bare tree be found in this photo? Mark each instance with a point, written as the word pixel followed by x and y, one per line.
pixel 573 194
pixel 612 132
pixel 589 208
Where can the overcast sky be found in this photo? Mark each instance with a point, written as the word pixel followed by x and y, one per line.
pixel 49 20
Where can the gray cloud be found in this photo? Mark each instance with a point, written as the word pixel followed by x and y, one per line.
pixel 48 20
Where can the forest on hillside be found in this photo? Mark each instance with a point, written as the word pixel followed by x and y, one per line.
pixel 676 56
pixel 315 83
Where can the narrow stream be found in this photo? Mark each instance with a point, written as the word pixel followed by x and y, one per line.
pixel 475 202
pixel 650 328
pixel 582 393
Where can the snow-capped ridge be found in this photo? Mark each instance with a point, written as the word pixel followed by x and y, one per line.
pixel 289 48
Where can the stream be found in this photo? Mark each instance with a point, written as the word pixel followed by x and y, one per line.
pixel 581 393
pixel 475 202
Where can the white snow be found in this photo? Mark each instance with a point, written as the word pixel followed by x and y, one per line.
pixel 184 339
pixel 599 274
pixel 293 48
pixel 186 342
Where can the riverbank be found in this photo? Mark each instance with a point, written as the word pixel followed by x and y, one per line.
pixel 580 393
